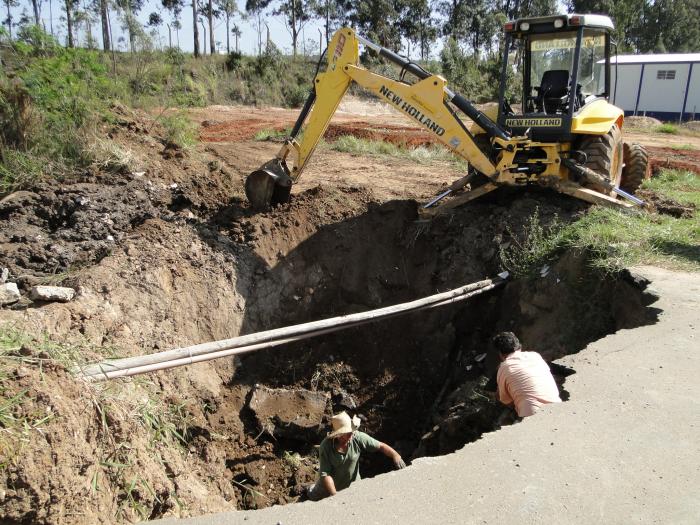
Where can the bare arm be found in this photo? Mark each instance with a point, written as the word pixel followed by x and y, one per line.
pixel 394 456
pixel 328 485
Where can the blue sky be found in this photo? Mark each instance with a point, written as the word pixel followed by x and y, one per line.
pixel 247 43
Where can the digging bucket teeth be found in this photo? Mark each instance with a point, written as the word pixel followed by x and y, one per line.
pixel 269 185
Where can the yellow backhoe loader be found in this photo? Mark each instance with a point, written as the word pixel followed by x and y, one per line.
pixel 567 136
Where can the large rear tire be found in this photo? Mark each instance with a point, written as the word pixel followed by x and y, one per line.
pixel 636 169
pixel 604 155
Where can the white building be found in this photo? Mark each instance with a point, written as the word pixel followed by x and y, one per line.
pixel 666 87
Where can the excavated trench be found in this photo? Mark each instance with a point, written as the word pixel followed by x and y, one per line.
pixel 419 382
pixel 171 277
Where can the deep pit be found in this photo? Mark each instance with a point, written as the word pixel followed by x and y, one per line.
pixel 419 382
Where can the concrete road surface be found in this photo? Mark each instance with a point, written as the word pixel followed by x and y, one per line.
pixel 624 449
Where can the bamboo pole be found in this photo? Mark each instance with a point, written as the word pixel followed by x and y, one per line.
pixel 270 338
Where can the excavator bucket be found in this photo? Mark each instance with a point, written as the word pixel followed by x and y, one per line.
pixel 268 186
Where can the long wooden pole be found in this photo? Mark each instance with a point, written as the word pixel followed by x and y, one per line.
pixel 269 338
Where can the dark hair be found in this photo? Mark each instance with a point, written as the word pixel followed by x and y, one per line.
pixel 506 343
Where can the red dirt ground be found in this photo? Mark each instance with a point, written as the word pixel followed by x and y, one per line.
pixel 234 128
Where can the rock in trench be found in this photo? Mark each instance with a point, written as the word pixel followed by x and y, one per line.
pixel 9 293
pixel 296 414
pixel 52 293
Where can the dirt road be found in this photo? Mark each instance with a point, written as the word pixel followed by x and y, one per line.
pixel 230 130
pixel 624 449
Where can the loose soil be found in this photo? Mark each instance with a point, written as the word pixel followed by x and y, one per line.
pixel 171 254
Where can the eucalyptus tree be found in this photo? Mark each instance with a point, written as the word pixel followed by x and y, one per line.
pixel 255 10
pixel 9 4
pixel 228 8
pixel 175 8
pixel 295 14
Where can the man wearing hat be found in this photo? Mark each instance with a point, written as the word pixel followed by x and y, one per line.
pixel 339 456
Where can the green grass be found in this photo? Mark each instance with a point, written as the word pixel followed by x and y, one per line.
pixel 682 186
pixel 617 238
pixel 167 424
pixel 179 130
pixel 667 128
pixel 683 147
pixel 420 154
pixel 272 134
pixel 17 420
pixel 534 248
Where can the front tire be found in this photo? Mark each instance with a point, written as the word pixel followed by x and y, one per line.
pixel 604 155
pixel 636 169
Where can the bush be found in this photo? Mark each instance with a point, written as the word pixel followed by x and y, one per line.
pixel 19 169
pixel 234 61
pixel 18 119
pixel 536 246
pixel 295 95
pixel 179 131
pixel 476 79
pixel 667 128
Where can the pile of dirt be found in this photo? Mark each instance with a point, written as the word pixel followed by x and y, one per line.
pixel 400 135
pixel 673 158
pixel 693 125
pixel 171 256
pixel 666 205
pixel 640 122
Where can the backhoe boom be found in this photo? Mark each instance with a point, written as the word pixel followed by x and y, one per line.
pixel 428 103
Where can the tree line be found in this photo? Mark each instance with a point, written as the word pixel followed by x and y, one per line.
pixel 409 26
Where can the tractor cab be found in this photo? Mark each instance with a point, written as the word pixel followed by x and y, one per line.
pixel 565 66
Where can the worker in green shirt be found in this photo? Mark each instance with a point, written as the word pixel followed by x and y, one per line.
pixel 339 456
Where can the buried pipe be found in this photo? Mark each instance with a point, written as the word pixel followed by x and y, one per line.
pixel 249 343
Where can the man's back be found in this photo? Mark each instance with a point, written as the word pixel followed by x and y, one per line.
pixel 525 380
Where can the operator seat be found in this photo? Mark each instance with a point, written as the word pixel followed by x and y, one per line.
pixel 553 91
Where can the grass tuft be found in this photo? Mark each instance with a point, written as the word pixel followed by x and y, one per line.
pixel 421 154
pixel 179 131
pixel 272 134
pixel 669 129
pixel 616 238
pixel 533 248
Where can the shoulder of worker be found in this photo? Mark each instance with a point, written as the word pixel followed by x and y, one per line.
pixel 365 441
pixel 531 354
pixel 326 444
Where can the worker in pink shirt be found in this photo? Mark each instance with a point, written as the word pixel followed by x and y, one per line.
pixel 524 379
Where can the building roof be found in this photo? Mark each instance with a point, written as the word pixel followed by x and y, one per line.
pixel 656 59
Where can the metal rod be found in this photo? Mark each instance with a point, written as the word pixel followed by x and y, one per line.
pixel 438 199
pixel 623 193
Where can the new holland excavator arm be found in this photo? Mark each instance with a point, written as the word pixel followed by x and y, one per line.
pixel 427 102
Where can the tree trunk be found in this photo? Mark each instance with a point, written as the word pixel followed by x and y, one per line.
pixel 51 17
pixel 295 32
pixel 35 5
pixel 228 33
pixel 170 37
pixel 196 30
pixel 105 25
pixel 88 34
pixel 210 17
pixel 69 23
pixel 9 18
pixel 204 37
pixel 328 21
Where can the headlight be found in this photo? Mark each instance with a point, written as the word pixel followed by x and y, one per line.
pixel 558 23
pixel 525 26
